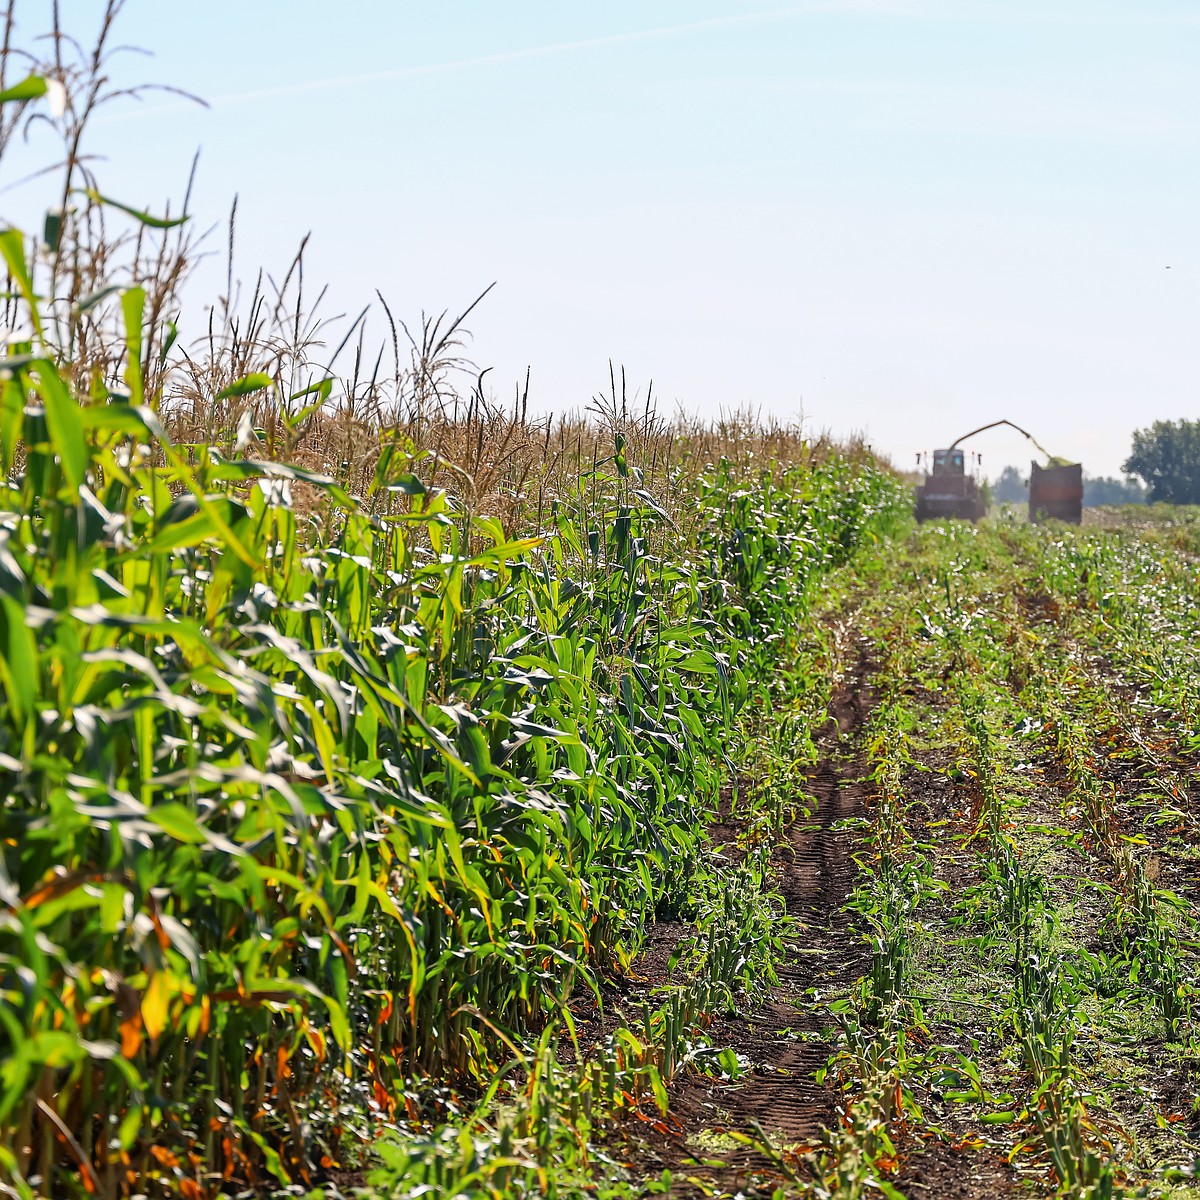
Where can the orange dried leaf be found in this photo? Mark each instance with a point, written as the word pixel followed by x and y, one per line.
pixel 131 1035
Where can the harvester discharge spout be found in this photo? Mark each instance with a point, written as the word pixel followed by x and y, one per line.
pixel 1055 490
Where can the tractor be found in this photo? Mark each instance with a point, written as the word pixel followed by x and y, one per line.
pixel 1055 491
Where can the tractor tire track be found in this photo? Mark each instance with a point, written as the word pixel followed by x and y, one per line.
pixel 783 1039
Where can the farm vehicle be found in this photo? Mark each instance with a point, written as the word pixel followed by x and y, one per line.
pixel 950 490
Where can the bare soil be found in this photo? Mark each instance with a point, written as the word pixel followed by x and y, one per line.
pixel 783 1041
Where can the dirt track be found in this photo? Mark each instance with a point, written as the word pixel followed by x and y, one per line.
pixel 784 1039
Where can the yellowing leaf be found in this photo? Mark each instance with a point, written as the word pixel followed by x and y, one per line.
pixel 154 1003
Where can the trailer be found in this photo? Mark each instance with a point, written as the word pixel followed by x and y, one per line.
pixel 1055 491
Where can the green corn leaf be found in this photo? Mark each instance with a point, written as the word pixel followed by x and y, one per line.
pixel 65 424
pixel 88 302
pixel 172 334
pixel 28 89
pixel 131 1124
pixel 133 307
pixel 12 420
pixel 137 214
pixel 177 821
pixel 246 386
pixel 209 520
pixel 19 665
pixel 407 484
pixel 121 417
pixel 12 248
pixel 52 229
pixel 660 1091
pixel 321 389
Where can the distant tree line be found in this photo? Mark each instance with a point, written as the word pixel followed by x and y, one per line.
pixel 1104 489
pixel 1009 487
pixel 1167 457
pixel 1012 488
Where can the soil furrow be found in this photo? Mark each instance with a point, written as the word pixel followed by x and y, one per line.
pixel 783 1041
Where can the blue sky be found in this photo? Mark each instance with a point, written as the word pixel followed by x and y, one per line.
pixel 902 218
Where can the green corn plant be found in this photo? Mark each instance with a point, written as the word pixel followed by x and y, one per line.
pixel 300 806
pixel 324 800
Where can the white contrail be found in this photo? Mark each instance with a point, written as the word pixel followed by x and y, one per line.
pixel 507 56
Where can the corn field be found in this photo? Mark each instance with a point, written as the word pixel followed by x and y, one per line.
pixel 405 796
pixel 302 808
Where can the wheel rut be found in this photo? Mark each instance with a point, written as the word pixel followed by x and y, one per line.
pixel 782 1042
